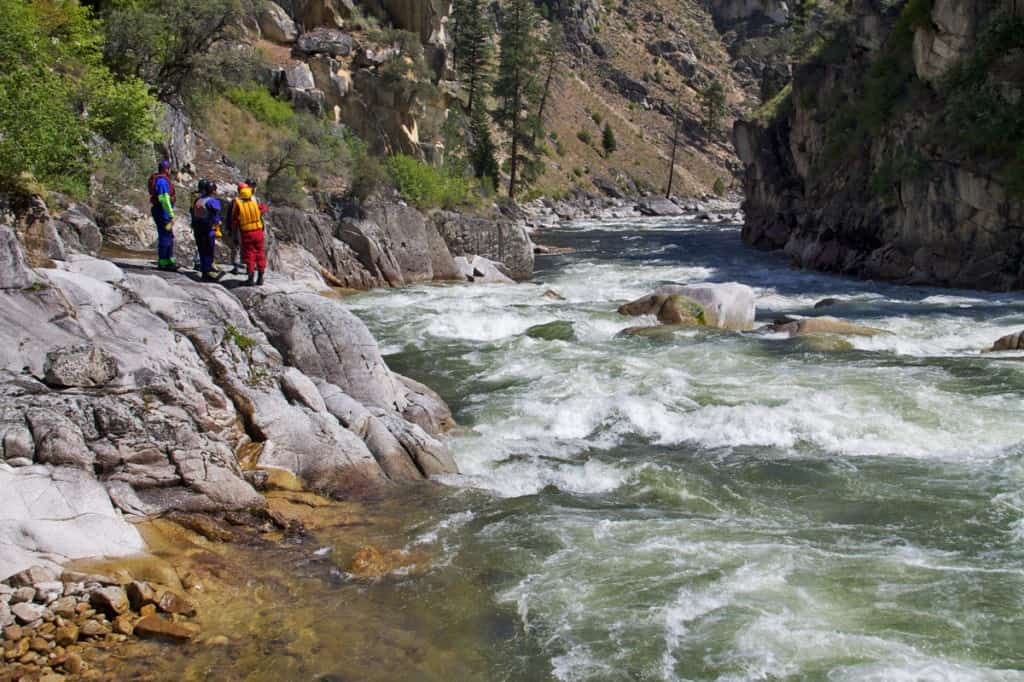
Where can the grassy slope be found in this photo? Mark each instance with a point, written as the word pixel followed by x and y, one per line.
pixel 643 136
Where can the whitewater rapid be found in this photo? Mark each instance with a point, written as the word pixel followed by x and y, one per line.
pixel 719 505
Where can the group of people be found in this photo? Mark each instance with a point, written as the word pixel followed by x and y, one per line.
pixel 244 221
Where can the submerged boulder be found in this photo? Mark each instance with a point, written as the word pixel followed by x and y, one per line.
pixel 823 325
pixel 556 330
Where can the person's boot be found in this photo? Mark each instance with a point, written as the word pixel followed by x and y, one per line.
pixel 212 276
pixel 248 280
pixel 259 279
pixel 172 267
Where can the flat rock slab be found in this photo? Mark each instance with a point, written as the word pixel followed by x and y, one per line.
pixel 50 515
pixel 155 626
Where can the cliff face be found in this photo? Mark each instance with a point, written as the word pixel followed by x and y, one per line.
pixel 897 153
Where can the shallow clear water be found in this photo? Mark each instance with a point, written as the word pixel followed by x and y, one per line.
pixel 717 505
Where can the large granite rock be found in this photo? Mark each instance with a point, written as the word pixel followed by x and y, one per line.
pixel 503 241
pixel 15 272
pixel 329 41
pixel 726 306
pixel 275 24
pixel 51 515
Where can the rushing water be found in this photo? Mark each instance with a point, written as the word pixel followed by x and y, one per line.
pixel 708 506
pixel 718 505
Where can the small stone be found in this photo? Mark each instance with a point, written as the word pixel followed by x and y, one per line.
pixel 111 600
pixel 27 613
pixel 74 589
pixel 123 624
pixel 13 633
pixel 23 594
pixel 148 610
pixel 6 589
pixel 79 577
pixel 73 664
pixel 82 608
pixel 190 581
pixel 92 628
pixel 30 576
pixel 51 677
pixel 40 645
pixel 6 617
pixel 65 607
pixel 29 658
pixel 15 650
pixel 48 591
pixel 155 626
pixel 218 640
pixel 141 593
pixel 174 603
pixel 67 635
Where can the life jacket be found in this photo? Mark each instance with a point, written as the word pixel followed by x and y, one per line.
pixel 152 188
pixel 247 215
pixel 200 212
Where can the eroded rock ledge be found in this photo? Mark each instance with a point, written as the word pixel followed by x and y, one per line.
pixel 149 392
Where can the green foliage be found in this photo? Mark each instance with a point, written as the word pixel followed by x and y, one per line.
pixel 885 89
pixel 902 166
pixel 56 95
pixel 719 187
pixel 516 86
pixel 980 119
pixel 779 105
pixel 482 154
pixel 712 102
pixel 264 107
pixel 427 186
pixel 608 142
pixel 596 117
pixel 171 44
pixel 243 342
pixel 367 174
pixel 472 46
pixel 585 137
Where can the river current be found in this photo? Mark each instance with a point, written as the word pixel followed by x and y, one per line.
pixel 704 506
pixel 727 506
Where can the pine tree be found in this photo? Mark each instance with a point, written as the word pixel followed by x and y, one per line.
pixel 608 142
pixel 551 54
pixel 472 48
pixel 516 87
pixel 481 154
pixel 712 99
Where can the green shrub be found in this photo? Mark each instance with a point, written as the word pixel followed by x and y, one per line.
pixel 596 117
pixel 264 107
pixel 584 137
pixel 719 187
pixel 426 186
pixel 56 95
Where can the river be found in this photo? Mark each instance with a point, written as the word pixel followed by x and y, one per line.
pixel 707 506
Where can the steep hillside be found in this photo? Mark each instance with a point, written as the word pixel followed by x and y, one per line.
pixel 897 153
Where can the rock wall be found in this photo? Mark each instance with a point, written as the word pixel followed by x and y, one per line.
pixel 906 204
pixel 396 245
pixel 164 393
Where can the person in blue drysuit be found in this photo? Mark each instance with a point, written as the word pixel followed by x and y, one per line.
pixel 206 221
pixel 161 198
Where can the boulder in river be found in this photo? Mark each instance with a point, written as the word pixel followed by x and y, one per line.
pixel 1008 342
pixel 556 330
pixel 726 306
pixel 822 325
